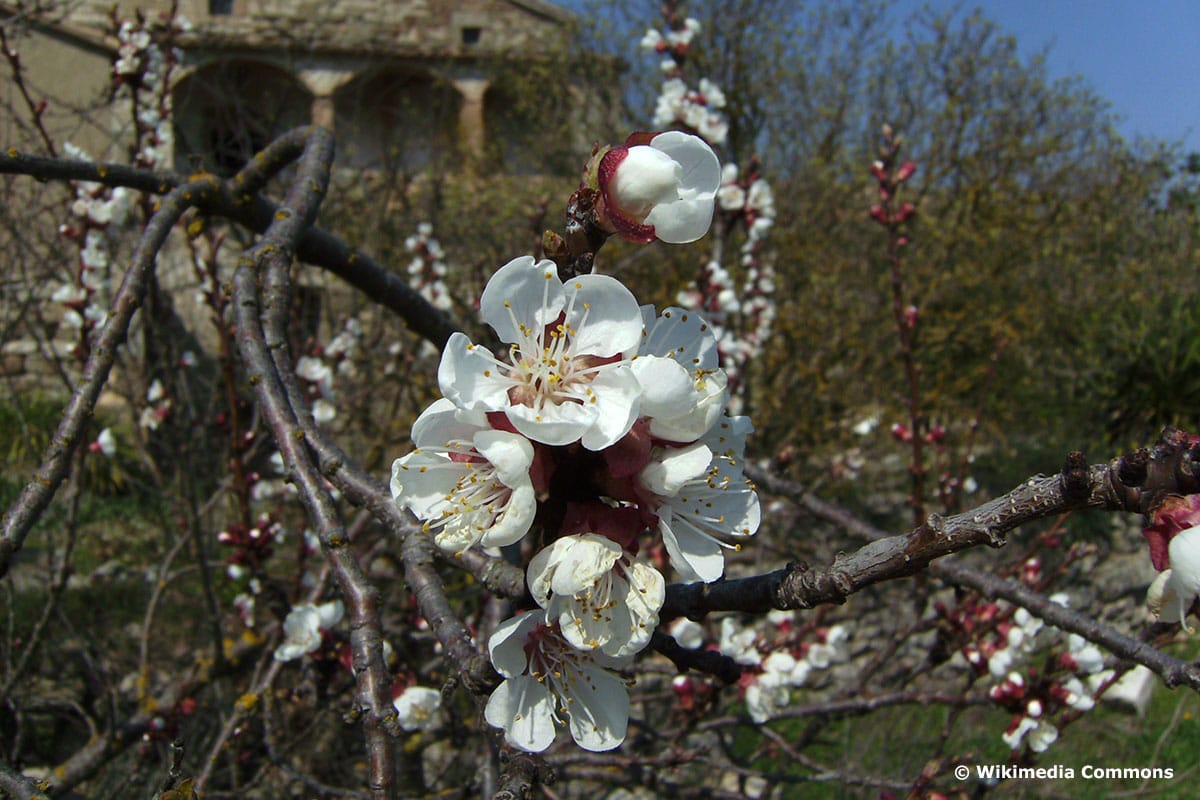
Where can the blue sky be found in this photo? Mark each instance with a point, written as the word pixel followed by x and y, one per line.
pixel 1143 56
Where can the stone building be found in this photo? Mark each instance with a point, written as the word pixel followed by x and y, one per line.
pixel 404 83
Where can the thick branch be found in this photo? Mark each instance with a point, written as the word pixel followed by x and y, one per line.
pixel 316 246
pixel 1132 483
pixel 361 598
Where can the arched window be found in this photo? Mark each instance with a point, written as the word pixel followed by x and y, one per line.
pixel 396 119
pixel 227 111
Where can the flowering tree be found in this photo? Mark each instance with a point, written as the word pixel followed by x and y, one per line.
pixel 576 572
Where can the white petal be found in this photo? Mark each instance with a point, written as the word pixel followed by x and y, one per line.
pixel 522 292
pixel 421 481
pixel 441 423
pixel 514 522
pixel 694 557
pixel 509 453
pixel 524 708
pixel 675 466
pixel 683 221
pixel 1184 553
pixel 559 424
pixel 617 392
pixel 681 334
pixel 667 388
pixel 470 377
pixel 605 316
pixel 579 561
pixel 506 645
pixel 600 713
pixel 700 419
pixel 330 614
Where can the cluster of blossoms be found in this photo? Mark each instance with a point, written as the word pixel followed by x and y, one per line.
pixel 142 71
pixel 698 109
pixel 776 656
pixel 250 546
pixel 601 429
pixel 427 270
pixel 308 631
pixel 1001 639
pixel 319 368
pixel 95 212
pixel 742 321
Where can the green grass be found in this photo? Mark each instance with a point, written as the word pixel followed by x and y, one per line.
pixel 898 743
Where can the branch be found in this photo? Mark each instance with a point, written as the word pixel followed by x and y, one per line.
pixel 36 495
pixel 1132 483
pixel 474 669
pixel 275 249
pixel 316 246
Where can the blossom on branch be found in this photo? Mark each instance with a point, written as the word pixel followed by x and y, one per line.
pixel 417 708
pixel 303 627
pixel 659 186
pixel 566 377
pixel 468 482
pixel 549 683
pixel 601 597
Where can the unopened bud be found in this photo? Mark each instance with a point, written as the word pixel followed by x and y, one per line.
pixel 906 171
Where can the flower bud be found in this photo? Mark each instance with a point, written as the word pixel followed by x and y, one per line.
pixel 664 188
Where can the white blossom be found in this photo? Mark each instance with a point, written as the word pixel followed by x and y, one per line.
pixel 549 683
pixel 600 596
pixel 566 377
pixel 468 482
pixel 418 708
pixel 302 628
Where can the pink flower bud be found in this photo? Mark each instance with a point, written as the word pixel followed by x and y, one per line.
pixel 901 433
pixel 910 317
pixel 906 211
pixel 906 171
pixel 879 215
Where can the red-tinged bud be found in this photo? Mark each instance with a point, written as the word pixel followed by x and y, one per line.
pixel 1173 515
pixel 879 171
pixel 935 434
pixel 885 194
pixel 906 171
pixel 41 108
pixel 905 213
pixel 879 215
pixel 225 537
pixel 901 241
pixel 187 706
pixel 94 447
pixel 901 433
pixel 910 317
